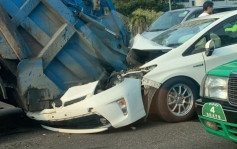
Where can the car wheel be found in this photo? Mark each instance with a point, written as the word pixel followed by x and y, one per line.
pixel 175 100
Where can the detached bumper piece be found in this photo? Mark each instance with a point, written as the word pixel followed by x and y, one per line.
pixel 86 124
pixel 115 107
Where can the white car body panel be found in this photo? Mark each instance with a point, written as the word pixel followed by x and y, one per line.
pixel 73 92
pixel 174 64
pixel 104 104
pixel 179 66
pixel 221 55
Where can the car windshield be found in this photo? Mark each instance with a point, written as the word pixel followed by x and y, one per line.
pixel 179 34
pixel 168 20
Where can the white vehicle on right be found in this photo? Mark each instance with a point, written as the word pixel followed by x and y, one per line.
pixel 175 17
pixel 180 58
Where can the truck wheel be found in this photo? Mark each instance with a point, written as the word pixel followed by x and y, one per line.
pixel 175 100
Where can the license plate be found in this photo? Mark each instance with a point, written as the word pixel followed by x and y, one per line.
pixel 214 111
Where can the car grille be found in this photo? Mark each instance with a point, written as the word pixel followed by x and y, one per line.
pixel 232 89
pixel 224 129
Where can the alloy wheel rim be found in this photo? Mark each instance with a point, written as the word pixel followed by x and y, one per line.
pixel 180 100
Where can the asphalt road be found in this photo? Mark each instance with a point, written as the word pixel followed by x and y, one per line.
pixel 17 131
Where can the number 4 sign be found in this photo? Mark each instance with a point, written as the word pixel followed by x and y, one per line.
pixel 214 111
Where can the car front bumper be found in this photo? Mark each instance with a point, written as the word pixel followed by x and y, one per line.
pixel 219 128
pixel 97 112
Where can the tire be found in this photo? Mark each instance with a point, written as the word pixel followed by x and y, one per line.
pixel 171 106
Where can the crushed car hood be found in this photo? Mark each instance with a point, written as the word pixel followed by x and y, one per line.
pixel 144 51
pixel 79 91
pixel 142 43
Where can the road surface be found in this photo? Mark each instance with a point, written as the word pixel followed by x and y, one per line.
pixel 17 131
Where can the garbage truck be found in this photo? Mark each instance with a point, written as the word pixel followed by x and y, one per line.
pixel 54 58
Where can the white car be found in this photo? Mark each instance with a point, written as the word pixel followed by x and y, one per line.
pixel 175 17
pixel 182 56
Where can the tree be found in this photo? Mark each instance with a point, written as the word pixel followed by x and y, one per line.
pixel 126 7
pixel 142 13
pixel 141 19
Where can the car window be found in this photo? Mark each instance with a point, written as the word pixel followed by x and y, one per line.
pixel 223 35
pixel 226 33
pixel 194 15
pixel 168 20
pixel 199 46
pixel 179 34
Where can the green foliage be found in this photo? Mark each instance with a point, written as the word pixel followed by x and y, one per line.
pixel 126 7
pixel 141 13
pixel 177 6
pixel 140 19
pixel 144 16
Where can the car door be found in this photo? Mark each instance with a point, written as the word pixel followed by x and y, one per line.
pixel 194 54
pixel 225 38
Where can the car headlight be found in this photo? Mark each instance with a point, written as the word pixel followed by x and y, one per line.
pixel 216 87
pixel 123 106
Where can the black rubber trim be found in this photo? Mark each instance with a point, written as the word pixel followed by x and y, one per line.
pixel 86 122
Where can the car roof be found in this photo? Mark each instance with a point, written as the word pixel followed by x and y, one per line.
pixel 189 8
pixel 219 15
pixel 200 7
pixel 225 6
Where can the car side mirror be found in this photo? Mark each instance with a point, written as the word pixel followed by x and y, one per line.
pixel 210 46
